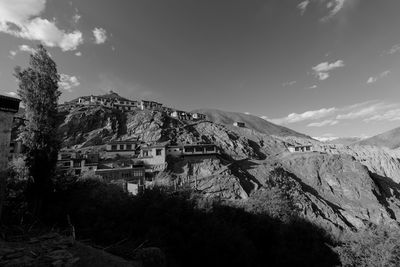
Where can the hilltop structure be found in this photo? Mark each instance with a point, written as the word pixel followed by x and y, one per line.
pixel 114 101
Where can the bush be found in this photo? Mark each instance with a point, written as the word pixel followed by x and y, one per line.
pixel 374 246
pixel 216 236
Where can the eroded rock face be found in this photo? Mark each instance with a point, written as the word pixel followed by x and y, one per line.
pixel 344 184
pixel 210 177
pixel 339 187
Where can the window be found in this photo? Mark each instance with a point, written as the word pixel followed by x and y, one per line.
pixel 210 148
pixel 308 148
pixel 121 147
pixel 145 153
pixel 158 152
pixel 129 147
pixel 198 149
pixel 113 147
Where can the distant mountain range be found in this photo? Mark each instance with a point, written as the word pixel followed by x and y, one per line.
pixel 251 122
pixel 390 139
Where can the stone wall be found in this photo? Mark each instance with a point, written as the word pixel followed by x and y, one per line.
pixel 6 119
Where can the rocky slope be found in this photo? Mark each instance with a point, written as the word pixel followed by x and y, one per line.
pixel 252 122
pixel 339 187
pixel 389 139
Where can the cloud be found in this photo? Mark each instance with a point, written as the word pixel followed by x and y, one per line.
pixel 303 6
pixel 308 115
pixel 20 18
pixel 26 48
pixel 394 49
pixel 389 115
pixel 334 6
pixel 313 87
pixel 321 71
pixel 78 54
pixel 100 35
pixel 331 7
pixel 365 110
pixel 76 18
pixel 288 83
pixel 323 123
pixel 68 82
pixel 382 75
pixel 12 94
pixel 23 48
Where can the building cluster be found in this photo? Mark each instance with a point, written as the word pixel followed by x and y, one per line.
pixel 115 101
pixel 301 148
pixel 131 164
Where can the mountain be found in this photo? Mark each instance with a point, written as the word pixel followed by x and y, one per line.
pixel 389 139
pixel 339 187
pixel 251 122
pixel 339 140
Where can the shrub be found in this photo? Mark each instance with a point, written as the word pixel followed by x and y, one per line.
pixel 377 245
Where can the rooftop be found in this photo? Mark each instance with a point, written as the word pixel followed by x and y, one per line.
pixel 9 104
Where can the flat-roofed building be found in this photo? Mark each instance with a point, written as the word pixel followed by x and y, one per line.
pixel 123 148
pixel 153 156
pixel 8 107
pixel 198 116
pixel 181 115
pixel 239 124
pixel 132 178
pixel 76 162
pixel 150 105
pixel 191 150
pixel 301 148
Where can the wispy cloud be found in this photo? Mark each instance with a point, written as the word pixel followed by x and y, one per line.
pixel 20 18
pixel 394 49
pixel 382 75
pixel 368 111
pixel 313 87
pixel 331 7
pixel 67 82
pixel 389 115
pixel 288 83
pixel 321 71
pixel 323 123
pixel 334 6
pixel 308 115
pixel 303 6
pixel 23 48
pixel 100 35
pixel 78 54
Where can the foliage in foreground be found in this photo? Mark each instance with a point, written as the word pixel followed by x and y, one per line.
pixel 375 246
pixel 218 236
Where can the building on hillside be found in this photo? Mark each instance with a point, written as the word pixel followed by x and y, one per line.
pixel 111 100
pixel 198 116
pixel 132 178
pixel 167 110
pixel 8 107
pixel 77 163
pixel 301 148
pixel 191 150
pixel 239 124
pixel 122 148
pixel 181 115
pixel 153 156
pixel 150 105
pixel 16 146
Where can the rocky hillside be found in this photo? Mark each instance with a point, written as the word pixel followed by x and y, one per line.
pixel 340 187
pixel 389 139
pixel 252 122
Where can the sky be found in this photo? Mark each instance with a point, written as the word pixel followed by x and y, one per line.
pixel 326 68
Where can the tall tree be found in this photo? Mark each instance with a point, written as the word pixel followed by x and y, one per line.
pixel 38 89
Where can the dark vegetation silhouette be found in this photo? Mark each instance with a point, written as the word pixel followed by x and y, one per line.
pixel 190 230
pixel 38 89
